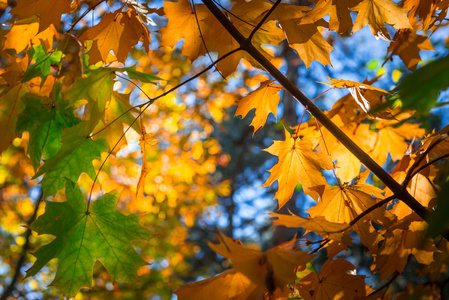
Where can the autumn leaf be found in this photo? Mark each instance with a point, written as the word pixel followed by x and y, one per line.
pixel 358 91
pixel 339 14
pixel 376 13
pixel 21 36
pixel 268 270
pixel 399 244
pixel 183 24
pixel 298 163
pixel 44 62
pixel 307 40
pixel 264 99
pixel 407 44
pixel 335 281
pixel 318 224
pixel 226 286
pixel 84 235
pixel 73 158
pixel 49 11
pixel 118 31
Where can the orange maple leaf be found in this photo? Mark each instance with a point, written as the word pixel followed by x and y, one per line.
pixel 118 31
pixel 298 163
pixel 21 36
pixel 49 11
pixel 319 225
pixel 230 284
pixel 358 91
pixel 407 44
pixel 183 22
pixel 307 40
pixel 335 281
pixel 264 99
pixel 269 270
pixel 339 14
pixel 376 13
pixel 400 242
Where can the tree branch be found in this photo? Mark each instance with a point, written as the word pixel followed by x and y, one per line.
pixel 246 45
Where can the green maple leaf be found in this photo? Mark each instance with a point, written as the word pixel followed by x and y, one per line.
pixel 44 61
pixel 84 235
pixel 73 158
pixel 98 86
pixel 44 122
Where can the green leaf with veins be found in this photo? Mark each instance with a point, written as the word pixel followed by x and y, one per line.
pixel 95 88
pixel 84 235
pixel 73 158
pixel 43 62
pixel 44 122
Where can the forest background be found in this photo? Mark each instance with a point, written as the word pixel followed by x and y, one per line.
pixel 104 97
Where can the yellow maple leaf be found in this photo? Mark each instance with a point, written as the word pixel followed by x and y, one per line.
pixel 49 11
pixel 319 225
pixel 358 92
pixel 269 270
pixel 183 23
pixel 339 14
pixel 376 13
pixel 118 31
pixel 298 163
pixel 21 36
pixel 264 99
pixel 307 40
pixel 393 139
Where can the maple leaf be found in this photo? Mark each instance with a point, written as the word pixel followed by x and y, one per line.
pixel 392 138
pixel 348 165
pixel 117 113
pixel 228 285
pixel 73 158
pixel 268 270
pixel 339 14
pixel 10 108
pixel 118 31
pixel 84 235
pixel 307 41
pixel 298 163
pixel 44 62
pixel 183 23
pixel 407 44
pixel 376 13
pixel 264 99
pixel 358 91
pixel 318 224
pixel 21 36
pixel 49 11
pixel 335 281
pixel 45 123
pixel 399 243
pixel 343 204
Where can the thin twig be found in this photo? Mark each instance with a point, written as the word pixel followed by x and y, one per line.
pixel 417 162
pixel 393 278
pixel 25 247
